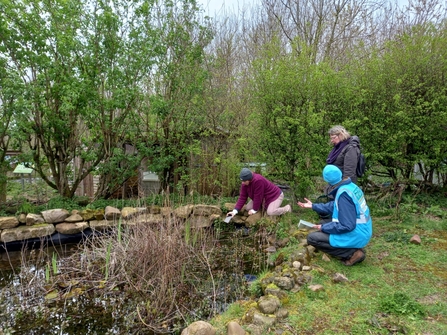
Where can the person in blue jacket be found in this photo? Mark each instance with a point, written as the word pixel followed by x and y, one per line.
pixel 351 227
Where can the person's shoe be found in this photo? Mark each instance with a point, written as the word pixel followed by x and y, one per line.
pixel 357 257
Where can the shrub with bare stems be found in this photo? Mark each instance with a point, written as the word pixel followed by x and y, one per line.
pixel 164 268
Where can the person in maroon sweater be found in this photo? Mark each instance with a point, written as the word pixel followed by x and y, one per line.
pixel 263 194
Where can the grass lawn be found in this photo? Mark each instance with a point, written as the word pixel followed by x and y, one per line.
pixel 401 288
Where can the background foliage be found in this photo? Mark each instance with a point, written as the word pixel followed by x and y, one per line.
pixel 108 89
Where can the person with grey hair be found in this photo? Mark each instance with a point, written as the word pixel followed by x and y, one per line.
pixel 345 152
pixel 263 194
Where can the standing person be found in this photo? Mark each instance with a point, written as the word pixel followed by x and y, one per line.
pixel 351 227
pixel 345 153
pixel 263 194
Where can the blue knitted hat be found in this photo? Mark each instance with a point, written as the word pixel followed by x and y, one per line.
pixel 246 174
pixel 332 174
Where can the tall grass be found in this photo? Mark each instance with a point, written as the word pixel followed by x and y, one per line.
pixel 160 269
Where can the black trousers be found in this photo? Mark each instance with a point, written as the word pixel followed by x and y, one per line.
pixel 320 241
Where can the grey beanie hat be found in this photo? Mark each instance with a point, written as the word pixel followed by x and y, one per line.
pixel 246 174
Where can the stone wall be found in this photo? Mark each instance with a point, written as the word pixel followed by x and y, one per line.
pixel 60 221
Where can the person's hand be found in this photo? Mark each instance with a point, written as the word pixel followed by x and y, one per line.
pixel 251 212
pixel 307 204
pixel 232 213
pixel 318 227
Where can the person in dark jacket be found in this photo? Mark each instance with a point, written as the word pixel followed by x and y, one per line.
pixel 351 226
pixel 263 194
pixel 345 153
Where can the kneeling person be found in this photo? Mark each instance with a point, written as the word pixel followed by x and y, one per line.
pixel 351 227
pixel 262 192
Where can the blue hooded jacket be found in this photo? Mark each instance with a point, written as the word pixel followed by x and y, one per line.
pixel 351 225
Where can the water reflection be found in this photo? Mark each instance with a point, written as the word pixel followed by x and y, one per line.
pixel 11 261
pixel 21 308
pixel 8 263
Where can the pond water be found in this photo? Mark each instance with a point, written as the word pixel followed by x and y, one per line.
pixel 20 309
pixel 23 310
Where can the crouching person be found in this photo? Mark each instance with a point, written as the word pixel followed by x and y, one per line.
pixel 263 194
pixel 351 227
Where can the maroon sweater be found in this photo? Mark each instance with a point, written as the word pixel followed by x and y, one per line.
pixel 261 190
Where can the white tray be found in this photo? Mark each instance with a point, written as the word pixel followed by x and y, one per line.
pixel 305 223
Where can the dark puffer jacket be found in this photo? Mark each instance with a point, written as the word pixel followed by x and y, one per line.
pixel 347 160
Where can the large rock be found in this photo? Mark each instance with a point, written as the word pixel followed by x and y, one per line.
pixel 101 225
pixel 238 219
pixel 269 304
pixel 32 219
pixel 285 283
pixel 184 212
pixel 92 214
pixel 74 218
pixel 8 222
pixel 112 213
pixel 22 218
pixel 166 212
pixel 253 219
pixel 26 232
pixel 154 209
pixel 150 219
pixel 54 216
pixel 316 288
pixel 233 328
pixel 71 228
pixel 416 239
pixel 199 328
pixel 206 210
pixel 339 278
pixel 263 320
pixel 282 313
pixel 275 291
pixel 129 212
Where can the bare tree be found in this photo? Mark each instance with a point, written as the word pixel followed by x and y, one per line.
pixel 323 28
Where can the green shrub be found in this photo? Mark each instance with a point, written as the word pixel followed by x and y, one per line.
pixel 60 202
pixel 401 304
pixel 26 207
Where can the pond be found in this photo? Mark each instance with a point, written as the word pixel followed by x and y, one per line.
pixel 37 296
